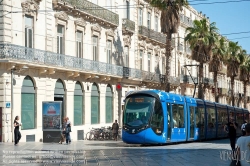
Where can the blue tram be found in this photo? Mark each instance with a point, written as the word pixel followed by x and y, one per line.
pixel 157 117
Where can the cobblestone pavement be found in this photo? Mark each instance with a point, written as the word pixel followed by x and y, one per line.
pixel 104 153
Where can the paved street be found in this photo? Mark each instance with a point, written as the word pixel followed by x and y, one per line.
pixel 104 153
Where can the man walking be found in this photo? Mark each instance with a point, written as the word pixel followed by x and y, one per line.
pixel 243 147
pixel 115 128
pixel 230 128
pixel 68 127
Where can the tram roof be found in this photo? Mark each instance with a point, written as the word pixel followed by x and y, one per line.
pixel 161 95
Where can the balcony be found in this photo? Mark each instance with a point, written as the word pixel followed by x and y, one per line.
pixel 153 36
pixel 186 21
pixel 42 58
pixel 128 26
pixel 188 79
pixel 89 9
pixel 174 81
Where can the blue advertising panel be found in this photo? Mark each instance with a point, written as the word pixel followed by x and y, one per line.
pixel 51 115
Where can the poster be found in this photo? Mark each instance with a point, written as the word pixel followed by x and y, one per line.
pixel 51 115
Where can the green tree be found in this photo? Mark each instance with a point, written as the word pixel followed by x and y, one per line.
pixel 233 61
pixel 202 38
pixel 170 21
pixel 216 62
pixel 244 73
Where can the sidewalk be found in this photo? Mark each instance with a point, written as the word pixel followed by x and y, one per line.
pixel 115 153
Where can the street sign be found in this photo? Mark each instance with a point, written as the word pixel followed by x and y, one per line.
pixel 7 104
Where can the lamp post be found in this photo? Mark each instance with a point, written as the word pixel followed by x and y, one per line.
pixel 12 97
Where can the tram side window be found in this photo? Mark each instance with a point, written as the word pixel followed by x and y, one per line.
pixel 222 117
pixel 211 117
pixel 157 123
pixel 239 118
pixel 192 120
pixel 178 115
pixel 200 119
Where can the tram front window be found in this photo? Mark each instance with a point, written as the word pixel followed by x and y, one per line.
pixel 137 110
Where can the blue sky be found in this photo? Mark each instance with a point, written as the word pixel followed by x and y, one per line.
pixel 230 17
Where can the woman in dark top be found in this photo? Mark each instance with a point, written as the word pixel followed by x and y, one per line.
pixel 17 133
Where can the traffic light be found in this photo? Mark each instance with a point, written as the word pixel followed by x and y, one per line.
pixel 118 87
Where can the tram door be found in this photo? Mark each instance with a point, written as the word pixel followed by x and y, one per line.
pixel 169 121
pixel 191 122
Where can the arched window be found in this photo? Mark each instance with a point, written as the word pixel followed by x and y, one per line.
pixel 109 105
pixel 59 95
pixel 78 105
pixel 95 104
pixel 28 110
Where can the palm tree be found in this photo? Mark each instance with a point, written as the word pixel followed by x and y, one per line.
pixel 202 38
pixel 244 73
pixel 170 21
pixel 233 61
pixel 216 62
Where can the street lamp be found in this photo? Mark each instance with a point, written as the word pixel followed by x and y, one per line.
pixel 12 95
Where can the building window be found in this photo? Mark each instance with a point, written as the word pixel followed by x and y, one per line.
pixel 140 16
pixel 163 65
pixel 60 39
pixel 28 31
pixel 126 57
pixel 109 51
pixel 141 60
pixel 79 49
pixel 78 105
pixel 95 113
pixel 149 20
pixel 28 110
pixel 127 10
pixel 149 62
pixel 109 105
pixel 95 48
pixel 156 23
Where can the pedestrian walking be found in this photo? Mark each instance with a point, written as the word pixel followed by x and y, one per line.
pixel 63 132
pixel 230 128
pixel 115 128
pixel 243 146
pixel 68 130
pixel 17 134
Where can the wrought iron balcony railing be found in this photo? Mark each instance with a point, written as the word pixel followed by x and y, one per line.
pixel 128 25
pixel 175 81
pixel 186 20
pixel 188 79
pixel 35 56
pixel 152 35
pixel 90 8
pixel 140 74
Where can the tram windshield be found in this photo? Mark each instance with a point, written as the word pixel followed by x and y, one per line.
pixel 138 110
